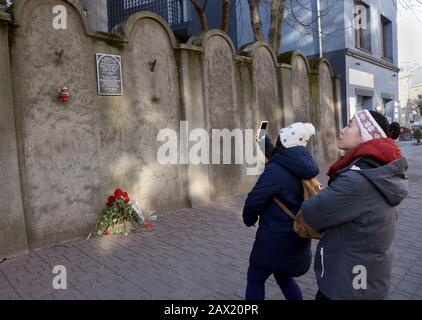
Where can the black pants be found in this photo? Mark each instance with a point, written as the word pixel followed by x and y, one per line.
pixel 255 289
pixel 320 296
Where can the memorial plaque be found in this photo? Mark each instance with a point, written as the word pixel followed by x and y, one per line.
pixel 109 74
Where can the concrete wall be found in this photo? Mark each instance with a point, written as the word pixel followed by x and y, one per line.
pixel 312 94
pixel 326 115
pixel 61 161
pixel 12 223
pixel 97 13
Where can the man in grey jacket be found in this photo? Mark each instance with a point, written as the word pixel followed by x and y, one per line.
pixel 356 213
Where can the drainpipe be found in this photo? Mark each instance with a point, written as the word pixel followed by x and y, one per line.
pixel 319 27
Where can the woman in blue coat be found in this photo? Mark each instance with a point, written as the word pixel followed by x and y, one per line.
pixel 277 249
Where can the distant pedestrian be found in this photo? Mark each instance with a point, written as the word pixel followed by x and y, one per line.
pixel 277 249
pixel 356 212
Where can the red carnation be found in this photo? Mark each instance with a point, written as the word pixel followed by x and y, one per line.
pixel 126 196
pixel 110 201
pixel 148 225
pixel 120 194
pixel 106 233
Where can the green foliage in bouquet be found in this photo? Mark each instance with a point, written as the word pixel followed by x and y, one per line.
pixel 119 217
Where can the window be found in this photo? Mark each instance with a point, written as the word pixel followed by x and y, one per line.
pixel 362 25
pixel 127 4
pixel 386 38
pixel 363 103
pixel 173 11
pixel 386 105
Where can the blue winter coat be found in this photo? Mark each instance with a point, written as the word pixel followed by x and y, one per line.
pixel 276 246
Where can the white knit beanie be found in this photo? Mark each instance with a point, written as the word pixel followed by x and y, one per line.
pixel 297 134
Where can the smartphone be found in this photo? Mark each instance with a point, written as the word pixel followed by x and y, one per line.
pixel 264 125
pixel 262 130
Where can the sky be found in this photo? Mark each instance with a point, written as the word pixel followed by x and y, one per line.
pixel 410 34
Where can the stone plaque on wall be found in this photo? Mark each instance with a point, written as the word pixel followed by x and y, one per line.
pixel 109 74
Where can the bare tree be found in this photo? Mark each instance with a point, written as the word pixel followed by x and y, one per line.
pixel 254 7
pixel 200 9
pixel 225 15
pixel 278 10
pixel 256 19
pixel 273 33
pixel 281 10
pixel 276 23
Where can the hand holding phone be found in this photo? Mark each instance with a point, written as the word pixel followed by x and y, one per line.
pixel 262 131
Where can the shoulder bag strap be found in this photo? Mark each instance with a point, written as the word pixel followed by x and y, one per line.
pixel 284 208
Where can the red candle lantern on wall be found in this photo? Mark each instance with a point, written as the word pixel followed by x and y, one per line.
pixel 65 95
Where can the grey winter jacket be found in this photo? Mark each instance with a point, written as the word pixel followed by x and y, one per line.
pixel 357 216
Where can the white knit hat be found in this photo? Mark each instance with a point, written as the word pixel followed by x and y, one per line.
pixel 297 134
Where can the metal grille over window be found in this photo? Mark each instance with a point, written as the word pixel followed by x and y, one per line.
pixel 173 11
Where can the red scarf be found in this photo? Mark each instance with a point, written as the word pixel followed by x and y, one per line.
pixel 384 150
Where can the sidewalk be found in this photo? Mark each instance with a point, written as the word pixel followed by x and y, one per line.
pixel 199 253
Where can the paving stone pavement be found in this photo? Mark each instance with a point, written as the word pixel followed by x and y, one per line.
pixel 199 253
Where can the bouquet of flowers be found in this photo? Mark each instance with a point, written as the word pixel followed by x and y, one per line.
pixel 144 217
pixel 120 217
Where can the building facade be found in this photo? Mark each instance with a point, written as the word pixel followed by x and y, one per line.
pixel 410 88
pixel 360 40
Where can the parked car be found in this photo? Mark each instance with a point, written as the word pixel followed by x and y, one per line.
pixel 416 125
